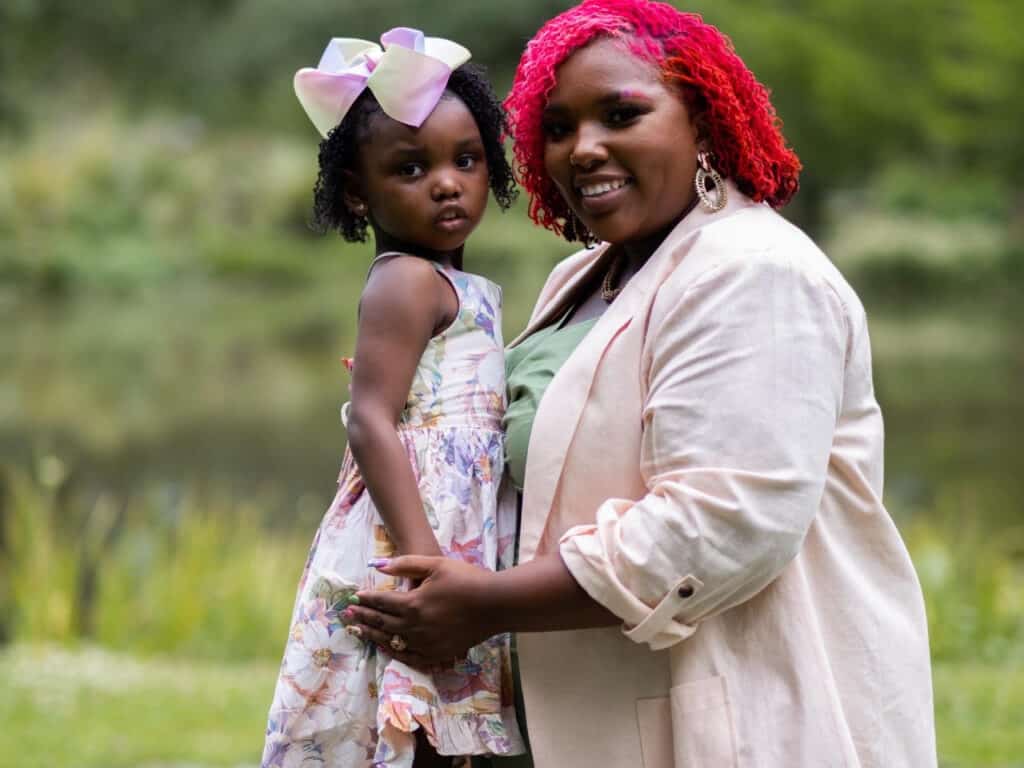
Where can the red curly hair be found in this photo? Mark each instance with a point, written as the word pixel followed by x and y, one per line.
pixel 743 131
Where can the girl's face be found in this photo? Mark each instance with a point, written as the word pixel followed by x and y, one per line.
pixel 619 144
pixel 425 188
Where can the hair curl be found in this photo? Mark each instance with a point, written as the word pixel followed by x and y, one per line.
pixel 743 130
pixel 339 152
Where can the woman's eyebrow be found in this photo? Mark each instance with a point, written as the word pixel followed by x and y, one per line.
pixel 614 97
pixel 553 110
pixel 626 94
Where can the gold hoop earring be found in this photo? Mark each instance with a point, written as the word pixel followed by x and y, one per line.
pixel 706 170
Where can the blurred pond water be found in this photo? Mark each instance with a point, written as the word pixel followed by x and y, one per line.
pixel 951 384
pixel 239 388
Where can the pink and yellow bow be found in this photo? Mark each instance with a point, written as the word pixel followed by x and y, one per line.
pixel 407 76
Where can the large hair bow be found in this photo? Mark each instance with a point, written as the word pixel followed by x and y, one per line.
pixel 407 76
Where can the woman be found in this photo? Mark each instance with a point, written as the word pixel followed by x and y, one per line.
pixel 707 574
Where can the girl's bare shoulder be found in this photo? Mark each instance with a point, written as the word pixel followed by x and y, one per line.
pixel 404 288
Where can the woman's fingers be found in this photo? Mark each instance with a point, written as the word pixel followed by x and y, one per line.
pixel 375 636
pixel 411 566
pixel 374 619
pixel 383 641
pixel 380 629
pixel 385 601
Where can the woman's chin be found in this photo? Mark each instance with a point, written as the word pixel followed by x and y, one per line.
pixel 623 225
pixel 624 228
pixel 613 230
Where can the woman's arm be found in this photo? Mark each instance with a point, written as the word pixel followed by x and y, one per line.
pixel 400 309
pixel 744 373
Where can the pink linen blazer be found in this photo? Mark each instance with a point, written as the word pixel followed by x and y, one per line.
pixel 708 462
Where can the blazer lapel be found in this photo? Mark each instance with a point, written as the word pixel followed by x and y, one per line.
pixel 559 412
pixel 548 313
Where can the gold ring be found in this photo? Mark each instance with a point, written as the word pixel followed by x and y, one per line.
pixel 397 643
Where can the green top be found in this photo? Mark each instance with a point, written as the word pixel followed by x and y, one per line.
pixel 529 368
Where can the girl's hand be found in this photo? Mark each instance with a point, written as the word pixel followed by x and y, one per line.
pixel 439 621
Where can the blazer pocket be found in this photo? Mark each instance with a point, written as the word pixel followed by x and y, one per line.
pixel 703 733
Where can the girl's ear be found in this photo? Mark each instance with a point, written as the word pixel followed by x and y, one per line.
pixel 352 194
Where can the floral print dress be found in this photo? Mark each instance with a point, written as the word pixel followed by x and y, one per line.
pixel 342 703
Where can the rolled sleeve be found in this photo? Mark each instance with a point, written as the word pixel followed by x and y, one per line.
pixel 743 381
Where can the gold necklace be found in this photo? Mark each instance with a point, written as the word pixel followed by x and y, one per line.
pixel 608 289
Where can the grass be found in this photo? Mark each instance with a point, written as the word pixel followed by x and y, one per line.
pixel 978 714
pixel 92 708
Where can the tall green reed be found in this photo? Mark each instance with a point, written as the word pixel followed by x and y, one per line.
pixel 196 574
pixel 200 573
pixel 973 582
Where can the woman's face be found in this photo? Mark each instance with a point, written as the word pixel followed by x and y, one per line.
pixel 619 144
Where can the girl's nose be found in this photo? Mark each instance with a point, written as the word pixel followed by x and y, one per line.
pixel 446 186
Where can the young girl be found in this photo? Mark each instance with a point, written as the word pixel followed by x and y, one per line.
pixel 412 145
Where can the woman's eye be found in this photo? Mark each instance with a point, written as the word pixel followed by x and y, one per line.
pixel 411 170
pixel 555 131
pixel 622 115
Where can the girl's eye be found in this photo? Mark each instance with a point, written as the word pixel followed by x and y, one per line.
pixel 410 170
pixel 466 162
pixel 622 115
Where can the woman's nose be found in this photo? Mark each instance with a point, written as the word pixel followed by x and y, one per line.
pixel 589 149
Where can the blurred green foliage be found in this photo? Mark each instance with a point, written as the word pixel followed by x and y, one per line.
pixel 858 84
pixel 197 575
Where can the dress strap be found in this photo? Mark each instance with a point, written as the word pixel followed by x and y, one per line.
pixel 382 257
pixel 392 254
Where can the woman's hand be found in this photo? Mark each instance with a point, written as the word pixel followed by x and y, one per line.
pixel 458 605
pixel 440 620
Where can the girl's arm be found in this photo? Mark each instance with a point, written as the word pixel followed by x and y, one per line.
pixel 403 305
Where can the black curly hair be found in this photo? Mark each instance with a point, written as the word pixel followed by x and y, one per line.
pixel 339 152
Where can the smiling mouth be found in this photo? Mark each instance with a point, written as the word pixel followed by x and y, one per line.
pixel 602 188
pixel 452 215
